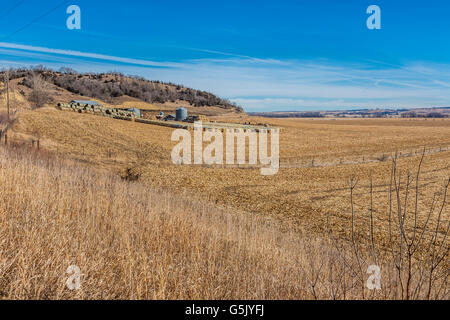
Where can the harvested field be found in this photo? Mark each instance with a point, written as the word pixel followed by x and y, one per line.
pixel 318 157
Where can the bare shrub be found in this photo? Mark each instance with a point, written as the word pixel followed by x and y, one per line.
pixel 383 157
pixel 39 94
pixel 414 260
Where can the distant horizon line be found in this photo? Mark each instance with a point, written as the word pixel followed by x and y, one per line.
pixel 346 110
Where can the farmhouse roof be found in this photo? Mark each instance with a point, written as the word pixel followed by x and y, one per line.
pixel 94 103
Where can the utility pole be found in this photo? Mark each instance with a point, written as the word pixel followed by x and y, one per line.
pixel 14 100
pixel 7 90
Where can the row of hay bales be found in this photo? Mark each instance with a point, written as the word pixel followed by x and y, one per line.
pixel 98 110
pixel 164 123
pixel 122 114
pixel 115 113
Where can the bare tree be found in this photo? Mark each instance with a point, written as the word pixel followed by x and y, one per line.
pixel 39 94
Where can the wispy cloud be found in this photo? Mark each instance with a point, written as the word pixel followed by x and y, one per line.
pixel 269 84
pixel 88 55
pixel 247 58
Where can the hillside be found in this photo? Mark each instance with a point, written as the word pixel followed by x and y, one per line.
pixel 112 89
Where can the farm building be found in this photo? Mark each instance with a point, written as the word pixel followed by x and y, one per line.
pixel 160 115
pixel 169 117
pixel 181 114
pixel 85 102
pixel 136 111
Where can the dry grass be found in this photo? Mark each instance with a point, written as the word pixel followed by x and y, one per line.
pixel 132 242
pixel 129 241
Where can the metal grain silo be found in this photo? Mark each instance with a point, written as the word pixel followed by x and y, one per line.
pixel 181 114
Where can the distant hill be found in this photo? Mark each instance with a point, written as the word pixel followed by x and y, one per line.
pixel 432 112
pixel 112 88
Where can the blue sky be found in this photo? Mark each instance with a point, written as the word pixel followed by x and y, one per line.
pixel 264 55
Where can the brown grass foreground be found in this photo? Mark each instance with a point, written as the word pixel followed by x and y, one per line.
pixel 132 242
